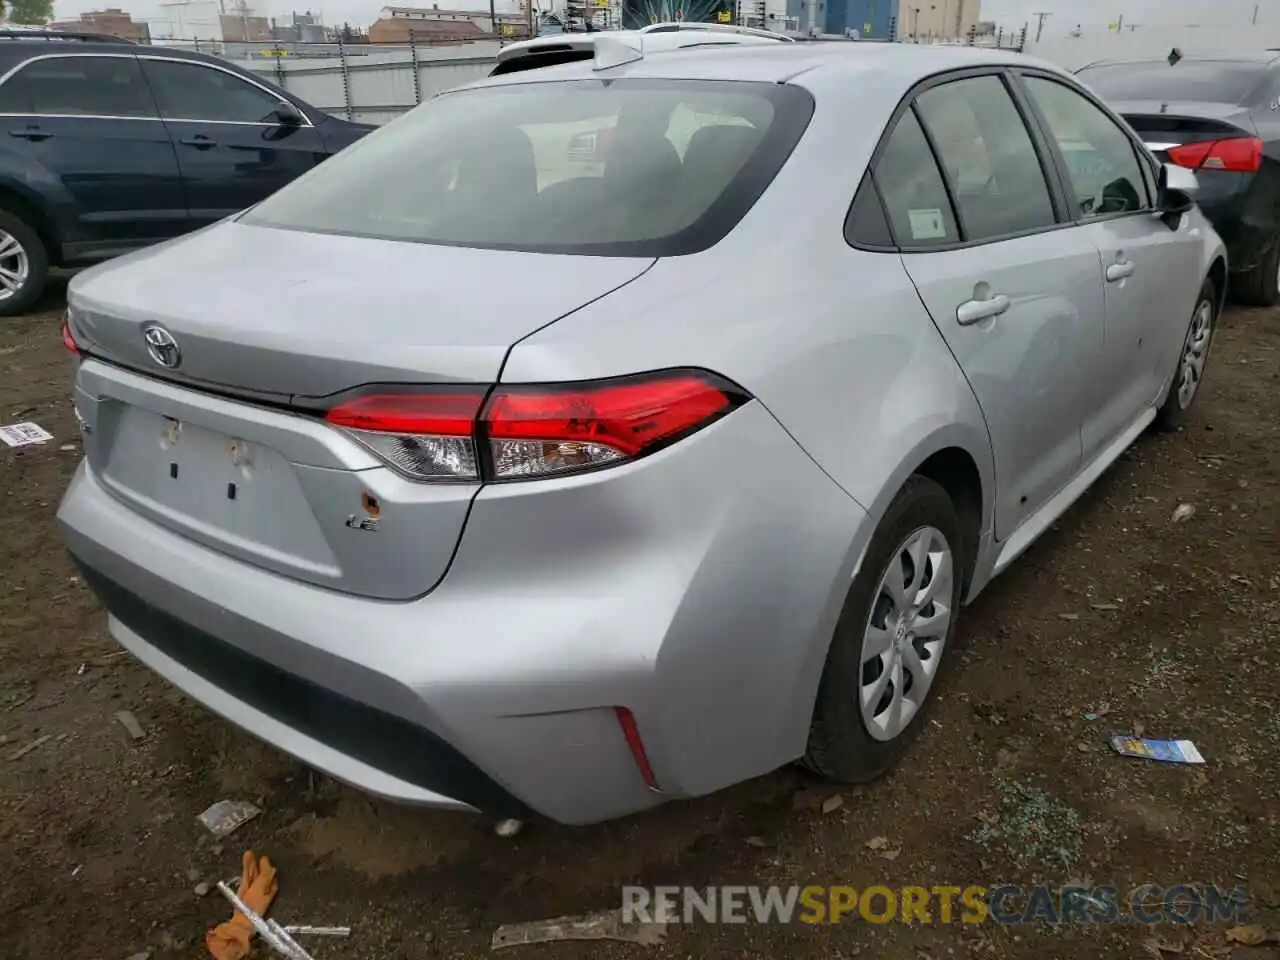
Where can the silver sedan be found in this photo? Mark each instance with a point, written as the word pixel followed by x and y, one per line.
pixel 613 432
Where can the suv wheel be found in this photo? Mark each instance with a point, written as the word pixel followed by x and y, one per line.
pixel 24 265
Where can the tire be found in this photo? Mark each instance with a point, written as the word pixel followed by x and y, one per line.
pixel 1204 320
pixel 1260 287
pixel 30 261
pixel 842 745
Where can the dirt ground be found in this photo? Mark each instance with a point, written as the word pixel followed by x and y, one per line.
pixel 1120 613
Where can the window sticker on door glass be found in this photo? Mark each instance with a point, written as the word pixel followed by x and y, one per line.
pixel 927 224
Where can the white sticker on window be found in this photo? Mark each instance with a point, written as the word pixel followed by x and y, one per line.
pixel 927 224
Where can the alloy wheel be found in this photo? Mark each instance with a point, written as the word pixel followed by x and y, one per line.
pixel 905 633
pixel 1195 352
pixel 15 266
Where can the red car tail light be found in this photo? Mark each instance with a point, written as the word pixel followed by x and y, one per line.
pixel 1238 155
pixel 69 338
pixel 423 435
pixel 526 432
pixel 536 431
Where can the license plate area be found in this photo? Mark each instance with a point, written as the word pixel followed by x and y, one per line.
pixel 239 496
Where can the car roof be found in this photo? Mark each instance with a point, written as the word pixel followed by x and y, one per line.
pixel 782 62
pixel 21 46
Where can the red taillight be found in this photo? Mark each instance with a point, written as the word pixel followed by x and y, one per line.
pixel 631 733
pixel 424 435
pixel 68 338
pixel 443 414
pixel 1238 155
pixel 533 431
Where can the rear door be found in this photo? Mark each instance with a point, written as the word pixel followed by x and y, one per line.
pixel 231 149
pixel 84 131
pixel 1152 272
pixel 1016 292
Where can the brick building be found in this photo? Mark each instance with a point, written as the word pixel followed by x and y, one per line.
pixel 434 25
pixel 111 22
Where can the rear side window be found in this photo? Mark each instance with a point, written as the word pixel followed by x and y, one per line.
pixel 991 161
pixel 1194 81
pixel 1102 163
pixel 915 196
pixel 78 86
pixel 624 168
pixel 193 91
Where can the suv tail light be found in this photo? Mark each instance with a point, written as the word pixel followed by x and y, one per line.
pixel 1238 155
pixel 512 432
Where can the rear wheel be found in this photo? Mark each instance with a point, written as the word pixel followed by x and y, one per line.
pixel 24 265
pixel 1260 287
pixel 1192 361
pixel 897 623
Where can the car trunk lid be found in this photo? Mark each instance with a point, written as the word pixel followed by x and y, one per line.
pixel 274 313
pixel 217 448
pixel 1163 126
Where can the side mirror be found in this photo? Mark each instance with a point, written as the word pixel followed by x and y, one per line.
pixel 1177 189
pixel 287 115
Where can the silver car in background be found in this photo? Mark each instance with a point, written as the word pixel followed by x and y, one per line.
pixel 617 431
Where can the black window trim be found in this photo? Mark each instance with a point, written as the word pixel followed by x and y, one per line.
pixel 1140 151
pixel 80 54
pixel 1059 198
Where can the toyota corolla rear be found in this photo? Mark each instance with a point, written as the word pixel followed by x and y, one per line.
pixel 311 499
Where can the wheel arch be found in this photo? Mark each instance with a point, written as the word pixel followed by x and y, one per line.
pixel 29 209
pixel 1218 274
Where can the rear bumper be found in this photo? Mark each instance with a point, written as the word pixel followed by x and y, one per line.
pixel 698 588
pixel 1245 210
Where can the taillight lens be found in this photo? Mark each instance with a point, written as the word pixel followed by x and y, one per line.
pixel 1237 155
pixel 527 432
pixel 425 436
pixel 68 338
pixel 535 431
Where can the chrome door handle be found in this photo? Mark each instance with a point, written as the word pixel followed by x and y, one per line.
pixel 1119 271
pixel 971 311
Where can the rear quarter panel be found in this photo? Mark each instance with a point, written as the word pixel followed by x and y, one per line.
pixel 833 341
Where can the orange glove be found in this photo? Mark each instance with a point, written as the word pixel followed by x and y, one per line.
pixel 230 940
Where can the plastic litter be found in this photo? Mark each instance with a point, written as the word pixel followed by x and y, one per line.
pixel 1164 751
pixel 593 926
pixel 24 434
pixel 227 816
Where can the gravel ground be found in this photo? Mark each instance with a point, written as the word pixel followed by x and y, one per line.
pixel 1119 614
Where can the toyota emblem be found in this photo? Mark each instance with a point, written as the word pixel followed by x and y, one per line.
pixel 161 346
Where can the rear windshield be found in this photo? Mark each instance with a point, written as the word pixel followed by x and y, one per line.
pixel 618 168
pixel 1202 81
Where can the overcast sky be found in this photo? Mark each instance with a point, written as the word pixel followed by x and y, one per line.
pixel 1066 13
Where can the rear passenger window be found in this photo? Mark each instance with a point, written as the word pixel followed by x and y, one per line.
pixel 1102 162
pixel 989 156
pixel 78 86
pixel 914 195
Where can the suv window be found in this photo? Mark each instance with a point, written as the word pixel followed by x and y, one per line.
pixel 914 193
pixel 78 86
pixel 990 159
pixel 193 91
pixel 1102 163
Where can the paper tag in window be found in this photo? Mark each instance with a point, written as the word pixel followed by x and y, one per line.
pixel 927 224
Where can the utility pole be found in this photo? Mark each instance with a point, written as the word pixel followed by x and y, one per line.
pixel 1256 7
pixel 1041 17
